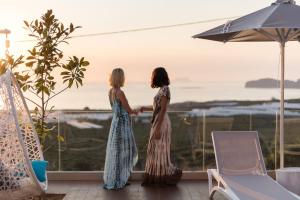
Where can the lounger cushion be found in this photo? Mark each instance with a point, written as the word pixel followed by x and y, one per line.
pixel 257 187
pixel 39 167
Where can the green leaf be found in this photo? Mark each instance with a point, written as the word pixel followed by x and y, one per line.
pixel 46 90
pixel 80 81
pixel 70 83
pixel 30 58
pixel 52 107
pixel 60 138
pixel 30 64
pixel 71 28
pixel 39 90
pixel 45 33
pixel 65 73
pixel 26 23
pixel 85 63
pixel 62 27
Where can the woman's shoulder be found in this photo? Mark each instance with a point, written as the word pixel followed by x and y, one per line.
pixel 120 93
pixel 115 92
pixel 165 88
pixel 165 91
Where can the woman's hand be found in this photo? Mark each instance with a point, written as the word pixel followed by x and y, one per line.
pixel 142 109
pixel 146 108
pixel 135 112
pixel 120 94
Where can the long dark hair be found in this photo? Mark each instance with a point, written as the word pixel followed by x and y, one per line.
pixel 159 78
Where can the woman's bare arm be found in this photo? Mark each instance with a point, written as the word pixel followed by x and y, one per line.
pixel 146 108
pixel 124 102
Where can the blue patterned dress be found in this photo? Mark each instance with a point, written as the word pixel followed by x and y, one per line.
pixel 121 151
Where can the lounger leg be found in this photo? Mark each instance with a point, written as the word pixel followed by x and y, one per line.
pixel 209 181
pixel 210 184
pixel 211 195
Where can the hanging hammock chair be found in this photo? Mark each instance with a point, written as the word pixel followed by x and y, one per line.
pixel 19 144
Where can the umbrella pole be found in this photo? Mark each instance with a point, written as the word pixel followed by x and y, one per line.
pixel 282 52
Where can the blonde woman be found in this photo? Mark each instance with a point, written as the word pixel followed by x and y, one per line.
pixel 121 151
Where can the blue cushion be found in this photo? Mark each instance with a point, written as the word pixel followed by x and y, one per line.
pixel 39 168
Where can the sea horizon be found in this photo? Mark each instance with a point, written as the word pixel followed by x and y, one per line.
pixel 94 95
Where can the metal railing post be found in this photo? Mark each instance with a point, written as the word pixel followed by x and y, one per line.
pixel 59 144
pixel 250 121
pixel 275 142
pixel 203 145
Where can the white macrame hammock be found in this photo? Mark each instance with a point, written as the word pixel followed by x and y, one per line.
pixel 19 144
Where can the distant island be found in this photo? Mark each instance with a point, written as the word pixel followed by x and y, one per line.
pixel 272 83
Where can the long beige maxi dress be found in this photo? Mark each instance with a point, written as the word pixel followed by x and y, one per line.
pixel 159 169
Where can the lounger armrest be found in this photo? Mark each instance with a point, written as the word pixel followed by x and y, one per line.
pixel 214 174
pixel 221 185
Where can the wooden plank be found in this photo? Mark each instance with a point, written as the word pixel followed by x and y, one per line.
pixel 90 190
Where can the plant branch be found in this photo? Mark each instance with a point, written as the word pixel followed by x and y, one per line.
pixel 49 147
pixel 33 102
pixel 34 93
pixel 56 94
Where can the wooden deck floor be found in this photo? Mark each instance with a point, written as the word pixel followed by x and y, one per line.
pixel 90 190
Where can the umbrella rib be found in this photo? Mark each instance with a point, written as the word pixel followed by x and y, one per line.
pixel 293 35
pixel 231 37
pixel 267 34
pixel 243 36
pixel 280 35
pixel 287 34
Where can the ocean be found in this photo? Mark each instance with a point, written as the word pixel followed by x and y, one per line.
pixel 95 95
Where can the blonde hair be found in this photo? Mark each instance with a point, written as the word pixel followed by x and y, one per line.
pixel 117 78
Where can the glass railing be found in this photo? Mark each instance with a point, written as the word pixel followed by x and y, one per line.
pixel 85 136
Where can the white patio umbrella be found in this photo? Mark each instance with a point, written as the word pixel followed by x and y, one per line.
pixel 279 22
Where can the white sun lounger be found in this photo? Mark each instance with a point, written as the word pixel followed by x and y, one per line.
pixel 241 172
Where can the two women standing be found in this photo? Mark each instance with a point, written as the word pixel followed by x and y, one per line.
pixel 121 153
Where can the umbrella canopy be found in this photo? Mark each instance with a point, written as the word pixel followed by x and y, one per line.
pixel 279 22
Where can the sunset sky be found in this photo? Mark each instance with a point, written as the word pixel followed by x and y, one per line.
pixel 139 52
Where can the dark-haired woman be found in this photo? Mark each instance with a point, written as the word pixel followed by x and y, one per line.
pixel 159 169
